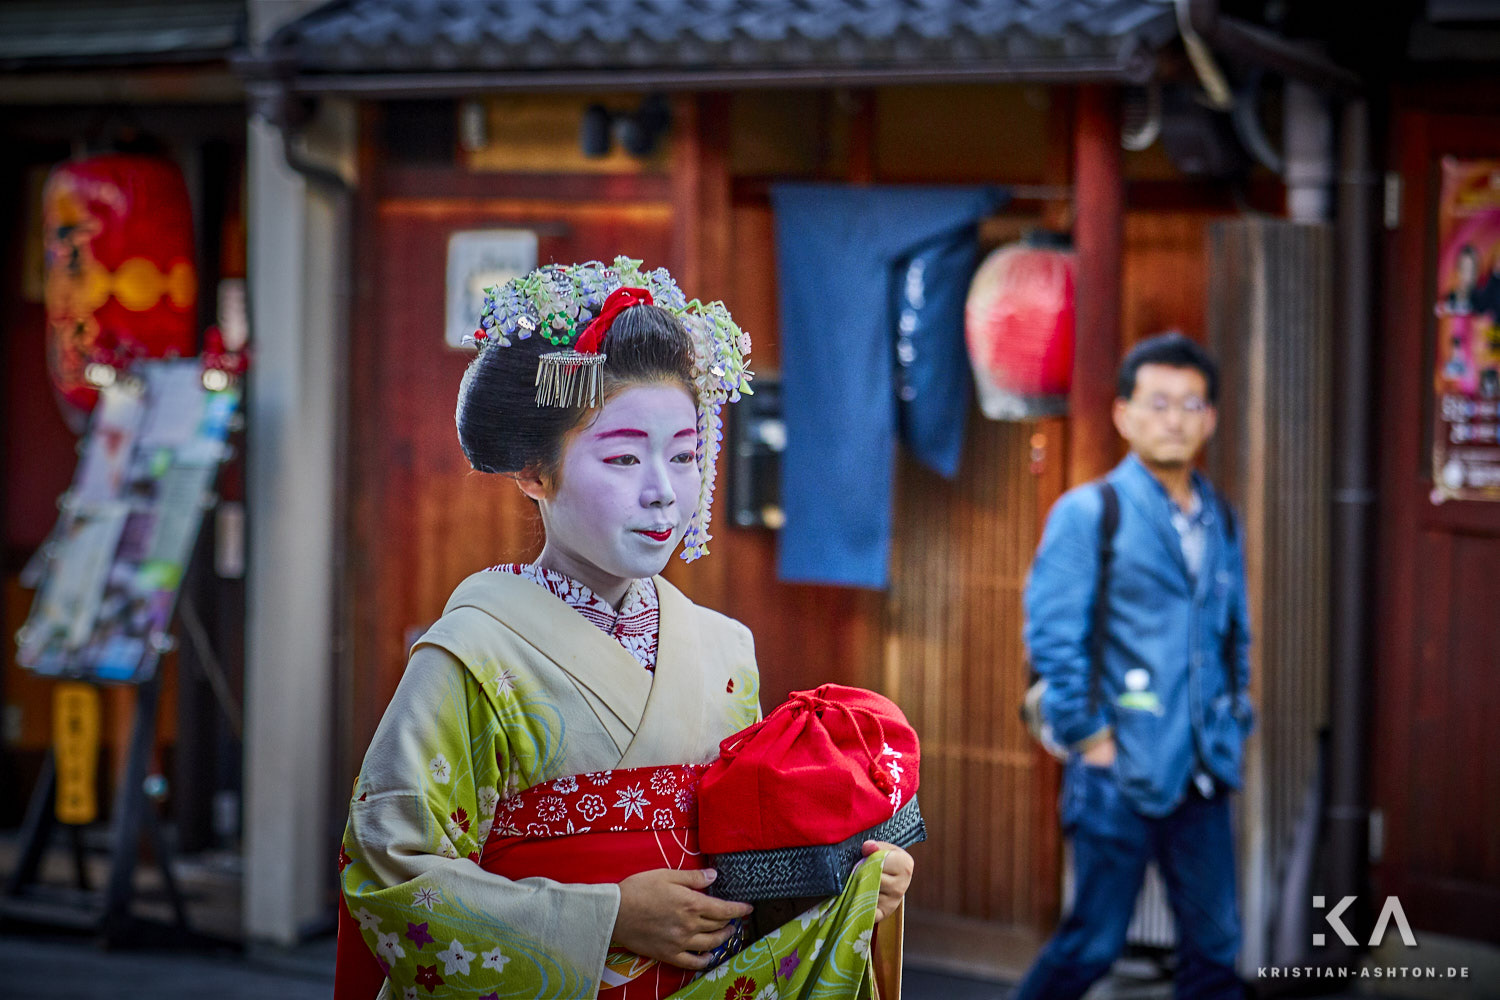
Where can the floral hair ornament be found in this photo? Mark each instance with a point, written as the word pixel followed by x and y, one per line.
pixel 575 376
pixel 572 307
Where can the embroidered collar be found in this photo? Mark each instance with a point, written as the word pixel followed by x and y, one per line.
pixel 636 626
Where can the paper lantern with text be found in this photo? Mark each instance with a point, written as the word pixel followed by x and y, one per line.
pixel 1018 322
pixel 120 281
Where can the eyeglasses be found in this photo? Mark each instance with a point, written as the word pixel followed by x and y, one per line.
pixel 1192 406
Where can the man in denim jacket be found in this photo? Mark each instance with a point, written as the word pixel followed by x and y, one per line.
pixel 1156 751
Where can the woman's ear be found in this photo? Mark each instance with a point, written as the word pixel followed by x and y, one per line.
pixel 533 484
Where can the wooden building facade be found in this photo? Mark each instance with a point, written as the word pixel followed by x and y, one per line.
pixel 945 639
pixel 378 128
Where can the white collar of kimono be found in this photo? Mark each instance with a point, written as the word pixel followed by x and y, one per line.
pixel 639 597
pixel 669 705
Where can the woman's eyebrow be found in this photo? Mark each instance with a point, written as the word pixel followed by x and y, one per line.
pixel 620 432
pixel 690 432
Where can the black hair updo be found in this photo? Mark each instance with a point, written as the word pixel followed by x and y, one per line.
pixel 500 427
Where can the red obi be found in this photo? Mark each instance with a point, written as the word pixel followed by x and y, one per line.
pixel 604 827
pixel 637 819
pixel 592 828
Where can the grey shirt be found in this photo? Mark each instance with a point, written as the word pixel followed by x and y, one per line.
pixel 1192 533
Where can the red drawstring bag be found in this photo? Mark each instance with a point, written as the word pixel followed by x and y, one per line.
pixel 827 765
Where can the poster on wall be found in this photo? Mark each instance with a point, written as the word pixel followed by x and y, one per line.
pixel 1466 380
pixel 477 259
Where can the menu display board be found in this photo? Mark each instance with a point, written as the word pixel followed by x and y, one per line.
pixel 109 574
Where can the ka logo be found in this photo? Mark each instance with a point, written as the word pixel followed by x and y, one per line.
pixel 1392 909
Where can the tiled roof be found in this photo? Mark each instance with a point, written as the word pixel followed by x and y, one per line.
pixel 722 38
pixel 44 33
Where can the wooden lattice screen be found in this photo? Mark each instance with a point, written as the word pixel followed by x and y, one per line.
pixel 954 660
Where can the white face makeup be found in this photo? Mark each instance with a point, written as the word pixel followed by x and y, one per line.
pixel 627 487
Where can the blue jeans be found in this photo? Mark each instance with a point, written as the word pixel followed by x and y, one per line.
pixel 1112 843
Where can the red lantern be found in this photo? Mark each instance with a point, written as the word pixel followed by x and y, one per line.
pixel 1019 325
pixel 120 281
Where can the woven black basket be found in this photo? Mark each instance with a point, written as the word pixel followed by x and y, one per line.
pixel 809 871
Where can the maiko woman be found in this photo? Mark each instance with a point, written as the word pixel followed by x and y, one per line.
pixel 525 820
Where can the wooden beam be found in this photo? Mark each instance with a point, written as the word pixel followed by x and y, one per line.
pixel 862 129
pixel 700 190
pixel 702 229
pixel 421 181
pixel 1098 237
pixel 1057 213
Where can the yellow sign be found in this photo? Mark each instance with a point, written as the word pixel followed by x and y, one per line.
pixel 75 748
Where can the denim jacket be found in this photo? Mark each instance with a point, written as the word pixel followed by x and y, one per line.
pixel 1165 686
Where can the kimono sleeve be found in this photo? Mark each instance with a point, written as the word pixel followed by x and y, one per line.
pixel 422 809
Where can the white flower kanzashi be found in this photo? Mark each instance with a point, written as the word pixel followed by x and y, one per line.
pixel 862 944
pixel 440 768
pixel 633 801
pixel 367 920
pixel 455 959
pixel 427 899
pixel 496 960
pixel 388 947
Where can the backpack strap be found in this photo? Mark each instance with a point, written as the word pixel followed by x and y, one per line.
pixel 1109 523
pixel 1231 637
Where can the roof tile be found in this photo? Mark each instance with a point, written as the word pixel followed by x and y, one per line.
pixel 710 35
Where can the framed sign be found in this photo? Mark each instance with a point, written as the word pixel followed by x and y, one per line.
pixel 477 259
pixel 1466 375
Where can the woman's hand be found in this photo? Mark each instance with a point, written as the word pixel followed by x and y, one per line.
pixel 665 915
pixel 895 877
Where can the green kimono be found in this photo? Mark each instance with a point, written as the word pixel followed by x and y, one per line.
pixel 511 688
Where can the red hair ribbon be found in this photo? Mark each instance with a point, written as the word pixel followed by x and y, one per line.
pixel 619 300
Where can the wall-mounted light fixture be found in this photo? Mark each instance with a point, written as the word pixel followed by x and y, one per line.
pixel 757 437
pixel 638 132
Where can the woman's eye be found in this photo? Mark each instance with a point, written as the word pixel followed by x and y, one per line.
pixel 622 460
pixel 684 458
